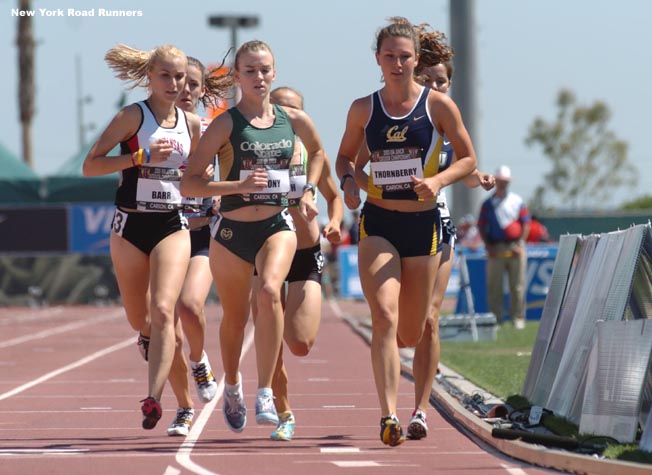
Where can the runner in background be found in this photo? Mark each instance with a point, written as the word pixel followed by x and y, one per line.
pixel 304 292
pixel 435 71
pixel 207 88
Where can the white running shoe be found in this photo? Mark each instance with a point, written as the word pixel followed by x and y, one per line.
pixel 265 409
pixel 417 429
pixel 204 379
pixel 233 407
pixel 182 422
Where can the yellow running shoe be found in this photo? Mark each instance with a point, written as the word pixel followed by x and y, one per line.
pixel 285 429
pixel 391 432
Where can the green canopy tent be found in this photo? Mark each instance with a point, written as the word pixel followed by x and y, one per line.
pixel 68 184
pixel 18 182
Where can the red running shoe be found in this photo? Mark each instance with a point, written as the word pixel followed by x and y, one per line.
pixel 152 412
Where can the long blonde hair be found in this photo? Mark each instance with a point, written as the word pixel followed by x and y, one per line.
pixel 132 65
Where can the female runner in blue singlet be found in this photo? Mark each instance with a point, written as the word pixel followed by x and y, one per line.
pixel 399 132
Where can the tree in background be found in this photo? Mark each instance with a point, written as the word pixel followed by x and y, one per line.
pixel 25 43
pixel 588 161
pixel 642 202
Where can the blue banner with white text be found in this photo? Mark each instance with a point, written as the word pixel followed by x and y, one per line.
pixel 90 228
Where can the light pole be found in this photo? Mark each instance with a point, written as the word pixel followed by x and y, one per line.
pixel 233 22
pixel 464 42
pixel 81 102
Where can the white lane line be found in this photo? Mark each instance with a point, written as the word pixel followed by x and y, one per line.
pixel 355 463
pixel 41 451
pixel 57 330
pixel 513 470
pixel 335 307
pixel 64 369
pixel 339 450
pixel 37 314
pixel 171 471
pixel 185 450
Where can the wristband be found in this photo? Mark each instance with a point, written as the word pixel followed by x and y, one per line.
pixel 147 154
pixel 309 187
pixel 140 157
pixel 343 180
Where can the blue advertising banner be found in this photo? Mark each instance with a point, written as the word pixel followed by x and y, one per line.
pixel 347 260
pixel 90 227
pixel 540 262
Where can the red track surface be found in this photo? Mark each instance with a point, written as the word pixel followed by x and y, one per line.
pixel 71 379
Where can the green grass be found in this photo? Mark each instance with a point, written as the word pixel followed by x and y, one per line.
pixel 498 366
pixel 628 452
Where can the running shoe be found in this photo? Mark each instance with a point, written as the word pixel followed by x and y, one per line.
pixel 285 428
pixel 204 379
pixel 391 432
pixel 182 422
pixel 265 409
pixel 417 429
pixel 143 346
pixel 233 408
pixel 152 412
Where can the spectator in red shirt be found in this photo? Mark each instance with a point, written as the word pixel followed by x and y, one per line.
pixel 504 223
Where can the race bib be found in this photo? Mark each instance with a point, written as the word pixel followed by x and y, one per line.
pixel 278 185
pixel 192 206
pixel 119 222
pixel 158 189
pixel 298 180
pixel 278 181
pixel 396 171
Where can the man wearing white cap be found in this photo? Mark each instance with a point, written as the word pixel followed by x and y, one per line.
pixel 504 224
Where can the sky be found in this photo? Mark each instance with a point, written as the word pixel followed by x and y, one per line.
pixel 527 51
